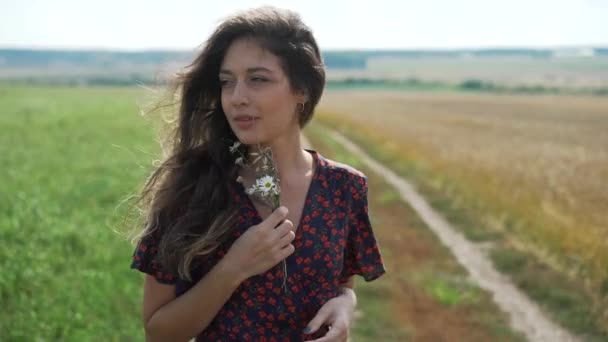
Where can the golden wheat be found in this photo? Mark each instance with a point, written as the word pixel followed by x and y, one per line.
pixel 542 159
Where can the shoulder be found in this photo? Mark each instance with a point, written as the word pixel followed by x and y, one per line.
pixel 342 173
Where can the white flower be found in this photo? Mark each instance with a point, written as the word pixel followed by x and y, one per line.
pixel 251 190
pixel 239 161
pixel 266 184
pixel 239 179
pixel 235 146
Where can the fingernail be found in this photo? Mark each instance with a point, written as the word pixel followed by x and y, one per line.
pixel 307 330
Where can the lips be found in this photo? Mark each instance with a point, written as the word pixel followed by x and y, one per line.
pixel 245 122
pixel 245 118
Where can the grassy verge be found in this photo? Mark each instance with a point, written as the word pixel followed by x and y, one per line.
pixel 566 300
pixel 426 294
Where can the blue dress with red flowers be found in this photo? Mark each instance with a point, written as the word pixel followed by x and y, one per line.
pixel 334 240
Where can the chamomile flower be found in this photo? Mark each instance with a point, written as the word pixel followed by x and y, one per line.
pixel 266 184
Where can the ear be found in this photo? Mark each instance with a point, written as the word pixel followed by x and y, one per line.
pixel 301 97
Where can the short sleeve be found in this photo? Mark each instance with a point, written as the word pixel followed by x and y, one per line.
pixel 362 253
pixel 144 260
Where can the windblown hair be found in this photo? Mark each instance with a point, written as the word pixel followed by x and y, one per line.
pixel 186 200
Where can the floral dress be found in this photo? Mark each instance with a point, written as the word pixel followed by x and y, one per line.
pixel 334 240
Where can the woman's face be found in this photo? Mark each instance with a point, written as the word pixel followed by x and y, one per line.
pixel 256 95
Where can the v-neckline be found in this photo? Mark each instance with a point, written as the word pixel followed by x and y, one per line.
pixel 309 192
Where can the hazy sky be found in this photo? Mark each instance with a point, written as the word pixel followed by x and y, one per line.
pixel 155 24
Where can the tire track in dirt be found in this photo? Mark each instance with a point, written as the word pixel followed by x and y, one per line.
pixel 525 315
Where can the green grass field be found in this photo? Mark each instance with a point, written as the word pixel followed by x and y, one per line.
pixel 69 156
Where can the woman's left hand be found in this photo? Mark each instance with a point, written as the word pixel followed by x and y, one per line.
pixel 337 313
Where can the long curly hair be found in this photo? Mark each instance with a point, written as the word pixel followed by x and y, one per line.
pixel 186 200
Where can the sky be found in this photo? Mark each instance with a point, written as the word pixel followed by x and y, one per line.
pixel 339 24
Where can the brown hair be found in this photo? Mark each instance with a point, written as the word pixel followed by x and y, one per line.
pixel 186 200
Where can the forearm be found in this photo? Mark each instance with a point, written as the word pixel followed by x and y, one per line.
pixel 348 289
pixel 189 314
pixel 350 294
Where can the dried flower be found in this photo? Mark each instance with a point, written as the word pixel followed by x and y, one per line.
pixel 235 146
pixel 266 187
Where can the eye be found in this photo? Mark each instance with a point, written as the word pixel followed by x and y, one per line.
pixel 225 83
pixel 258 79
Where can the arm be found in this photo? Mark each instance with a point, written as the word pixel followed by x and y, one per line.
pixel 348 290
pixel 337 313
pixel 179 319
pixel 262 246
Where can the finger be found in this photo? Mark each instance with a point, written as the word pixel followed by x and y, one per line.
pixel 284 228
pixel 275 218
pixel 321 317
pixel 287 251
pixel 287 239
pixel 334 334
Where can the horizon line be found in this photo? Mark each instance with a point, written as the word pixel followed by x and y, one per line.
pixel 323 49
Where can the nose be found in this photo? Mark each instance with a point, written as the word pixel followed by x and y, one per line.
pixel 240 95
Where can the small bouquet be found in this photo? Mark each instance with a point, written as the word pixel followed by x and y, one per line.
pixel 266 188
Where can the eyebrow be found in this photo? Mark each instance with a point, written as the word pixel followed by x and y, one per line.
pixel 249 70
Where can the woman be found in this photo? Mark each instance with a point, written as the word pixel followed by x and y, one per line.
pixel 212 254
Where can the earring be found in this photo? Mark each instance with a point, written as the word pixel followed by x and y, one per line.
pixel 301 111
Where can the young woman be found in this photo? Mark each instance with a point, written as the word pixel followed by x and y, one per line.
pixel 213 254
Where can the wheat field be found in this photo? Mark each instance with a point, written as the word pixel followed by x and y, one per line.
pixel 536 167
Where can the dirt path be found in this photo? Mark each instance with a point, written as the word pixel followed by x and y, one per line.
pixel 525 315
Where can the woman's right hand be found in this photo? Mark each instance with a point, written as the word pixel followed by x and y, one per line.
pixel 262 246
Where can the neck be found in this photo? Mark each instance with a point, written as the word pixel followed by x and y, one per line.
pixel 291 160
